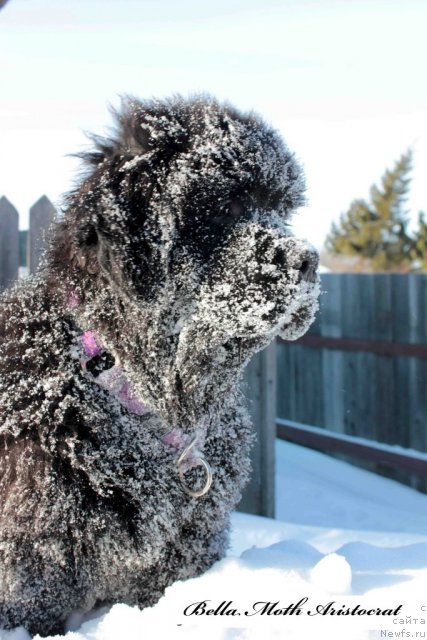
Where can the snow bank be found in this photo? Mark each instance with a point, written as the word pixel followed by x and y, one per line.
pixel 347 537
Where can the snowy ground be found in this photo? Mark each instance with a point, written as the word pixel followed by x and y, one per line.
pixel 342 535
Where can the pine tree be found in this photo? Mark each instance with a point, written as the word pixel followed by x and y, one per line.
pixel 419 247
pixel 376 230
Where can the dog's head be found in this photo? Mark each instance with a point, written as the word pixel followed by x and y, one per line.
pixel 179 247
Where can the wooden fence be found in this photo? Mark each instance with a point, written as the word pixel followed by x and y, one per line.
pixel 362 368
pixel 22 249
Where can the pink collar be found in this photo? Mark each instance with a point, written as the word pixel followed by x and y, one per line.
pixel 114 380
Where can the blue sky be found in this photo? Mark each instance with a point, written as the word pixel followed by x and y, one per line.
pixel 343 80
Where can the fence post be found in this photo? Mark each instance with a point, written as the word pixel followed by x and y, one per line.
pixel 42 214
pixel 260 388
pixel 9 243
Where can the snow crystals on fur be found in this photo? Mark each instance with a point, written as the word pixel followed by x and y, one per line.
pixel 175 251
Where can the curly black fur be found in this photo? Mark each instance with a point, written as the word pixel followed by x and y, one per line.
pixel 175 251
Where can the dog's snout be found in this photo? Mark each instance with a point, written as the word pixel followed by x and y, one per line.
pixel 307 266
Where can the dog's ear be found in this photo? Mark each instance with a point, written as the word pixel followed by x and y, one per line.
pixel 159 127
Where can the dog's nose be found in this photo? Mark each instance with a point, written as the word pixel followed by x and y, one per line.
pixel 299 256
pixel 307 265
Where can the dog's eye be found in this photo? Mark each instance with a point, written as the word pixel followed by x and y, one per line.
pixel 90 238
pixel 236 209
pixel 231 213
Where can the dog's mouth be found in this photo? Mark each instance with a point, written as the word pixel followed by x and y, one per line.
pixel 299 322
pixel 238 347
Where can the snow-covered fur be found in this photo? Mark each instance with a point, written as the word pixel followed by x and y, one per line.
pixel 174 257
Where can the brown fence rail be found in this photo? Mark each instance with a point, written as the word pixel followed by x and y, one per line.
pixel 393 457
pixel 405 349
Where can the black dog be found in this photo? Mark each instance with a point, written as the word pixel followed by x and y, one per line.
pixel 124 441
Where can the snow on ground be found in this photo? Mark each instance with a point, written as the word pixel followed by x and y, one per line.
pixel 342 535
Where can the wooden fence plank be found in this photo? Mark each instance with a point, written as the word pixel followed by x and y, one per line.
pixel 350 314
pixel 9 243
pixel 400 322
pixel 260 382
pixel 332 361
pixel 384 412
pixel 42 214
pixel 418 368
pixel 284 395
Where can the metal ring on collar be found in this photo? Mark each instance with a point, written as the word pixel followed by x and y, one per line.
pixel 200 461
